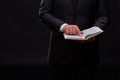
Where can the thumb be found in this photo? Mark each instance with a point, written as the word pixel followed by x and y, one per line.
pixel 79 32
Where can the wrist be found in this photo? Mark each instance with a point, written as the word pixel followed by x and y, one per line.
pixel 62 27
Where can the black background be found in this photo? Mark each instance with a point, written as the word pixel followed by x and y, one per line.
pixel 24 41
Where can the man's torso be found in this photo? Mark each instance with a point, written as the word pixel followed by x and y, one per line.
pixel 81 12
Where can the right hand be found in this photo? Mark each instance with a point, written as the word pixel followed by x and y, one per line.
pixel 72 30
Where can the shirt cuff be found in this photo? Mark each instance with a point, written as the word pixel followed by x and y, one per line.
pixel 95 26
pixel 62 26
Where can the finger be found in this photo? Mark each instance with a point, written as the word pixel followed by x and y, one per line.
pixel 67 31
pixel 71 30
pixel 78 31
pixel 74 30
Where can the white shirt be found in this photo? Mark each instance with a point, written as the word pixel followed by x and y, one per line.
pixel 62 26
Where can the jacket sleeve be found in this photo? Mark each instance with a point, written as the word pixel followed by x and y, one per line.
pixel 46 17
pixel 102 15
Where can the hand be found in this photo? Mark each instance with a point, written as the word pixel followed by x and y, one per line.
pixel 86 41
pixel 72 30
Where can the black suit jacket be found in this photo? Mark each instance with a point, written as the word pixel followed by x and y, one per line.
pixel 84 13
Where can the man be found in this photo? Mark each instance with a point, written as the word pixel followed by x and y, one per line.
pixel 70 59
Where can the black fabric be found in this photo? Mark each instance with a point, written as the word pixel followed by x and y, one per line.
pixel 54 13
pixel 73 72
pixel 72 52
pixel 85 14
